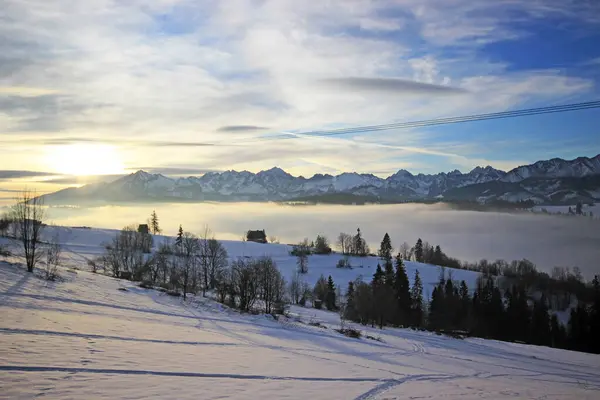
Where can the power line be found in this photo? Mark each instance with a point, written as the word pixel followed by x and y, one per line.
pixel 438 121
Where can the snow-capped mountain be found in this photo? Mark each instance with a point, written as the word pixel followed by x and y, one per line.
pixel 554 180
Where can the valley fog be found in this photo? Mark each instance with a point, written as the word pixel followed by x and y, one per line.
pixel 546 240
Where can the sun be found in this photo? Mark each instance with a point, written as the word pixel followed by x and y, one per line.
pixel 84 159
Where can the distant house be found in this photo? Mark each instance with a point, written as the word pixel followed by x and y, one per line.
pixel 143 228
pixel 256 236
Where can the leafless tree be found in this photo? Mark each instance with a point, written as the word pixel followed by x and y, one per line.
pixel 126 253
pixel 404 251
pixel 244 283
pixel 5 222
pixel 344 242
pixel 188 260
pixel 29 214
pixel 273 239
pixel 217 259
pixel 302 250
pixel 53 258
pixel 270 283
pixel 295 288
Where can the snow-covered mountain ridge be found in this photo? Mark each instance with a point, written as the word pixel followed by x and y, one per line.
pixel 276 184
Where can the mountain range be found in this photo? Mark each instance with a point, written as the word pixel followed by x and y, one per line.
pixel 554 181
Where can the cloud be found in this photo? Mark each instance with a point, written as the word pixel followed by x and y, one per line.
pixel 391 86
pixel 241 128
pixel 189 171
pixel 16 174
pixel 165 79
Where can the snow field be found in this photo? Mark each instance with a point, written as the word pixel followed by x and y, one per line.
pixel 85 338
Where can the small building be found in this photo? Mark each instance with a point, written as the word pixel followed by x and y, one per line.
pixel 143 228
pixel 256 236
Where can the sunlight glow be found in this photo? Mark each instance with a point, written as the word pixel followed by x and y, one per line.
pixel 84 159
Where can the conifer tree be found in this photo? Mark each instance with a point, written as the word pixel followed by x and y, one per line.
pixel 379 290
pixel 179 238
pixel 465 306
pixel 402 294
pixel 154 226
pixel 350 310
pixel 419 251
pixel 416 295
pixel 330 297
pixel 540 323
pixel 385 249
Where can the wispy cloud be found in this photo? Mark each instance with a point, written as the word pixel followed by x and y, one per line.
pixel 14 174
pixel 241 128
pixel 166 79
pixel 391 86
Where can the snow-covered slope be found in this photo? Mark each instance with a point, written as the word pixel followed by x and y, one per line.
pixel 95 337
pixel 82 244
pixel 276 184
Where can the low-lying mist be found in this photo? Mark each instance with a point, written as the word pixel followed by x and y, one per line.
pixel 546 240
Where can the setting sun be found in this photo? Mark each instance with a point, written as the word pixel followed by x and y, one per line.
pixel 84 159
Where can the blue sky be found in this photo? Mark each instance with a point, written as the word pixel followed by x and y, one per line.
pixel 199 84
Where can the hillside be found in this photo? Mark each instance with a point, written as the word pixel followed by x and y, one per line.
pixel 81 244
pixel 92 336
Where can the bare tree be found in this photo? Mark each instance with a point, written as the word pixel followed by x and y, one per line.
pixel 28 214
pixel 404 251
pixel 188 260
pixel 203 255
pixel 344 242
pixel 244 283
pixel 273 239
pixel 295 288
pixel 217 260
pixel 126 253
pixel 270 283
pixel 301 251
pixel 53 258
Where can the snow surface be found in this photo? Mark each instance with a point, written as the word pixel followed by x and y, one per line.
pixel 92 336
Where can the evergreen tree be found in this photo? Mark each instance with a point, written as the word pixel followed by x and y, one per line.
pixel 435 309
pixel 419 251
pixel 518 314
pixel 330 297
pixel 558 334
pixel 465 306
pixel 416 295
pixel 540 323
pixel 438 258
pixel 595 317
pixel 154 226
pixel 350 310
pixel 179 238
pixel 401 292
pixel 379 309
pixel 385 249
pixel 359 244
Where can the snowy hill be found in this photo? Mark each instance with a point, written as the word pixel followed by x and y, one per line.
pixel 553 181
pixel 92 336
pixel 81 244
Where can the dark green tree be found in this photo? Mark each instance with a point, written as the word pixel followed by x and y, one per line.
pixel 154 226
pixel 465 306
pixel 330 297
pixel 438 256
pixel 419 250
pixel 540 323
pixel 350 310
pixel 385 250
pixel 179 238
pixel 558 333
pixel 401 289
pixel 416 296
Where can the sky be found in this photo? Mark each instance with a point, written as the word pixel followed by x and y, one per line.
pixel 106 87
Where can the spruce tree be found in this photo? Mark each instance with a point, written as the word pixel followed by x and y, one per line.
pixel 416 295
pixel 350 310
pixel 179 238
pixel 419 251
pixel 379 296
pixel 595 317
pixel 438 258
pixel 385 249
pixel 465 306
pixel 330 297
pixel 435 309
pixel 154 226
pixel 402 294
pixel 540 323
pixel 558 333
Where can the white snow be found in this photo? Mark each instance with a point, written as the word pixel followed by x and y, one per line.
pixel 85 338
